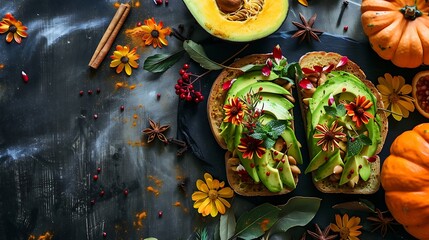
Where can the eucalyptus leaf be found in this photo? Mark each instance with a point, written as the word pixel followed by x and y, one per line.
pixel 252 67
pixel 197 53
pixel 298 211
pixel 161 62
pixel 227 225
pixel 253 224
pixel 360 206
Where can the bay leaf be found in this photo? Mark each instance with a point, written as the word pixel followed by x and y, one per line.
pixel 227 225
pixel 197 53
pixel 150 238
pixel 253 224
pixel 161 62
pixel 298 211
pixel 361 206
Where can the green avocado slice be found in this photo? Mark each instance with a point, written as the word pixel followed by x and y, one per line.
pixel 247 79
pixel 268 175
pixel 276 105
pixel 350 170
pixel 265 86
pixel 284 168
pixel 327 168
pixel 294 150
pixel 321 158
pixel 250 166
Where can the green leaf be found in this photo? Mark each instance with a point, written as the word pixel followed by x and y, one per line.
pixel 331 111
pixel 341 110
pixel 150 238
pixel 361 206
pixel 293 71
pixel 354 146
pixel 161 62
pixel 298 211
pixel 227 225
pixel 252 67
pixel 365 139
pixel 254 223
pixel 269 143
pixel 196 52
pixel 259 135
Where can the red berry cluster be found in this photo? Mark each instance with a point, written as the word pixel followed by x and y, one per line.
pixel 185 88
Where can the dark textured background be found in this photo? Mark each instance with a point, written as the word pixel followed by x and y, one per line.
pixel 50 145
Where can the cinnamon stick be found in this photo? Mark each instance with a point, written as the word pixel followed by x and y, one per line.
pixel 109 35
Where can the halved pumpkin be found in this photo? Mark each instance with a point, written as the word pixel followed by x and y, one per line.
pixel 239 20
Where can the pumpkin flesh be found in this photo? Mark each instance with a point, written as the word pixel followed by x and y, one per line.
pixel 256 26
pixel 405 179
pixel 395 37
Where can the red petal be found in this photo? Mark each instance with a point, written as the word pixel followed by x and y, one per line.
pixel 308 70
pixel 227 85
pixel 306 84
pixel 371 159
pixel 343 61
pixel 318 69
pixel 331 100
pixel 266 71
pixel 329 68
pixel 277 53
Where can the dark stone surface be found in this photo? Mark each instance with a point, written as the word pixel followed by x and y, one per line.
pixel 51 146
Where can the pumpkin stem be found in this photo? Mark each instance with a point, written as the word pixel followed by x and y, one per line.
pixel 411 12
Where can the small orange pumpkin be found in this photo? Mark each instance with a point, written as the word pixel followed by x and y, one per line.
pixel 397 30
pixel 405 179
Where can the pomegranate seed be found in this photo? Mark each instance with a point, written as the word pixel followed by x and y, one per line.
pixel 24 77
pixel 166 2
pixel 276 153
pixel 95 116
pixel 98 90
pixel 104 234
pixel 139 24
pixel 344 89
pixel 101 194
pixel 185 66
pixel 89 92
pixel 252 165
pixel 99 169
pixel 346 28
pixel 81 92
pixel 268 173
pixel 280 169
pixel 157 2
pixel 92 202
pixel 160 214
pixel 125 192
pixel 122 108
pixel 95 177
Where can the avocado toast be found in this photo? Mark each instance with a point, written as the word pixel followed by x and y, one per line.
pixel 345 124
pixel 250 115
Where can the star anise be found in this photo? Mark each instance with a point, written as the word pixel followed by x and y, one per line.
pixel 305 29
pixel 381 222
pixel 322 235
pixel 156 130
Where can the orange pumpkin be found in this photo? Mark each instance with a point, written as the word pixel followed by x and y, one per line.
pixel 405 179
pixel 398 30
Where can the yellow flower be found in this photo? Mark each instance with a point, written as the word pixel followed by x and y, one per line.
pixel 394 94
pixel 348 228
pixel 124 58
pixel 210 199
pixel 14 28
pixel 155 33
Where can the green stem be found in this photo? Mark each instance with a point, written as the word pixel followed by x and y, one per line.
pixel 411 12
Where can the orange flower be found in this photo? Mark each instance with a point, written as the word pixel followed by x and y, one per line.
pixel 234 111
pixel 210 199
pixel 14 28
pixel 348 228
pixel 357 110
pixel 249 146
pixel 154 34
pixel 124 58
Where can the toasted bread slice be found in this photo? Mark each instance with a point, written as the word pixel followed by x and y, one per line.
pixel 217 94
pixel 370 186
pixel 215 103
